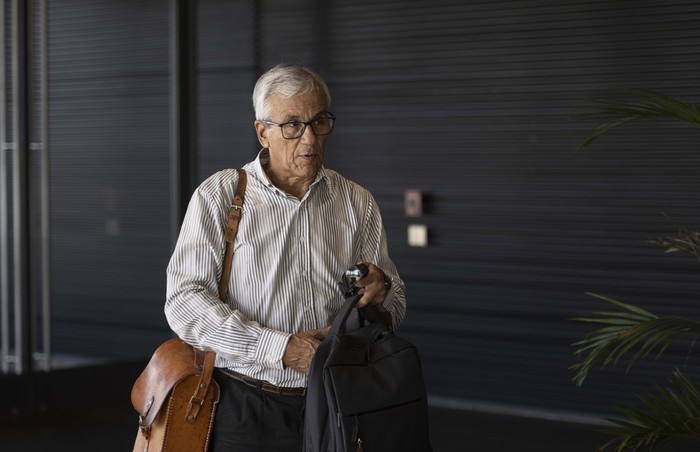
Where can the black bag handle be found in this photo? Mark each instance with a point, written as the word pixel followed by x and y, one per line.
pixel 339 322
pixel 369 313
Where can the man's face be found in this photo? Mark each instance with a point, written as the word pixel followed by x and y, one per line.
pixel 297 158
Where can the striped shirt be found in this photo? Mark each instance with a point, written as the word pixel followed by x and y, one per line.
pixel 289 256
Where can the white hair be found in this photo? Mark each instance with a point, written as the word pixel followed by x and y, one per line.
pixel 286 80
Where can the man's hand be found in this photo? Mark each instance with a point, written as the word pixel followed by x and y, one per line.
pixel 372 287
pixel 302 347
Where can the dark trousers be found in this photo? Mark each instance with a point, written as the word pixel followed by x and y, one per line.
pixel 251 420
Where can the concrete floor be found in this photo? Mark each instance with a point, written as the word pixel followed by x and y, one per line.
pixel 451 430
pixel 89 410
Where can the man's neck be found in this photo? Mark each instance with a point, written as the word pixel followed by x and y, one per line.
pixel 295 186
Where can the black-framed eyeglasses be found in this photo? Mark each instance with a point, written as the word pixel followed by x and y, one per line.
pixel 295 129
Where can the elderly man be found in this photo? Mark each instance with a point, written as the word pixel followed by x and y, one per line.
pixel 302 226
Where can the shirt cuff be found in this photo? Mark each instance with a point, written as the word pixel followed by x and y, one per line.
pixel 271 346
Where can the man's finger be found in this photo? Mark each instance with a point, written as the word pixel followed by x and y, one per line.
pixel 322 332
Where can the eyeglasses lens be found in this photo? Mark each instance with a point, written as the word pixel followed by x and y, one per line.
pixel 322 126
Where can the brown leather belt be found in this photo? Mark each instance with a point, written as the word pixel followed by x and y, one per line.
pixel 263 385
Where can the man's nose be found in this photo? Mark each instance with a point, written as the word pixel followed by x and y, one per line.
pixel 308 137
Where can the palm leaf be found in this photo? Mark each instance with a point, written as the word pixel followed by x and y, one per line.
pixel 632 334
pixel 687 241
pixel 672 412
pixel 637 104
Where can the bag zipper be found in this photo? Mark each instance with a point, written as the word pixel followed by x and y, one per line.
pixel 356 435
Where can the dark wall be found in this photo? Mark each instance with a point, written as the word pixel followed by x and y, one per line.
pixel 109 144
pixel 471 102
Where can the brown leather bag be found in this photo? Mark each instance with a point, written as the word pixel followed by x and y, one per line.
pixel 181 375
pixel 176 399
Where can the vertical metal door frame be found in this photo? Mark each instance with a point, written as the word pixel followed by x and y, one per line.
pixel 45 227
pixel 20 187
pixel 183 109
pixel 19 350
pixel 4 213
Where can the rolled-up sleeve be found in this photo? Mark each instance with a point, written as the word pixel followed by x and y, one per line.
pixel 193 309
pixel 375 249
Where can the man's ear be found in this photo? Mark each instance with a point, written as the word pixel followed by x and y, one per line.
pixel 261 130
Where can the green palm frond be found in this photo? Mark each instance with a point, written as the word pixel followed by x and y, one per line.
pixel 687 241
pixel 673 412
pixel 637 104
pixel 633 333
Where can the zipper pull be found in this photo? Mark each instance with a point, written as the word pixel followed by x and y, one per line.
pixel 356 435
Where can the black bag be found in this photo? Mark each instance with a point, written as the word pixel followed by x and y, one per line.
pixel 366 390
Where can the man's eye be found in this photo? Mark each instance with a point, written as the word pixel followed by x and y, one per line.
pixel 293 125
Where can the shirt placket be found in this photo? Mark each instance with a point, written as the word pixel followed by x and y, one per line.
pixel 305 284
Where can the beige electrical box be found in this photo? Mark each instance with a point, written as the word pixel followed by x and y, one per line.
pixel 417 235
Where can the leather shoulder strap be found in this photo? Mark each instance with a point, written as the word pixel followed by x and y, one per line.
pixel 175 359
pixel 234 218
pixel 200 392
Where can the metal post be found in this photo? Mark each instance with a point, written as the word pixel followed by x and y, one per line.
pixel 20 167
pixel 183 131
pixel 4 214
pixel 45 201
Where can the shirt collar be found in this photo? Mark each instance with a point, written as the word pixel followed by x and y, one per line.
pixel 263 159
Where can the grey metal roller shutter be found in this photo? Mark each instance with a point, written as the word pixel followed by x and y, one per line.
pixel 108 117
pixel 472 102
